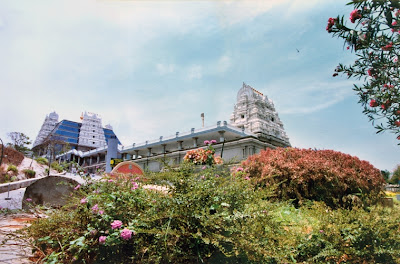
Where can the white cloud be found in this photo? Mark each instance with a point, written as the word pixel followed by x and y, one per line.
pixel 224 63
pixel 163 69
pixel 195 72
pixel 300 97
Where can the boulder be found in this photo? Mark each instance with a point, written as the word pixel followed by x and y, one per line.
pixel 50 191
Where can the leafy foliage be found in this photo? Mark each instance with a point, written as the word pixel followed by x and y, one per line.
pixel 42 160
pixel 203 156
pixel 375 39
pixel 396 176
pixel 322 175
pixel 179 216
pixel 19 141
pixel 29 173
pixel 12 168
pixel 54 165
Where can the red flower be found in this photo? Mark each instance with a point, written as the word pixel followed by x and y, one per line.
pixel 383 106
pixel 331 22
pixel 354 15
pixel 398 112
pixel 388 47
pixel 397 123
pixel 373 103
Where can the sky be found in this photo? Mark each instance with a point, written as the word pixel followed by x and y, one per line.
pixel 150 68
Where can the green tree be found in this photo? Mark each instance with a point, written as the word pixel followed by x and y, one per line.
pixel 396 176
pixel 374 37
pixel 385 175
pixel 19 142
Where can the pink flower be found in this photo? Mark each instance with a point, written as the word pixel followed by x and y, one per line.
pixel 28 199
pixel 247 178
pixel 213 141
pixel 135 186
pixel 95 208
pixel 204 167
pixel 395 59
pixel 83 200
pixel 116 224
pixel 77 187
pixel 394 23
pixel 354 15
pixel 206 142
pixel 102 239
pixel 202 177
pixel 126 234
pixel 216 176
pixel 101 212
pixel 110 180
pixel 239 169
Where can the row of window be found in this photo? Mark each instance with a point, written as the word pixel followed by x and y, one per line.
pixel 69 128
pixel 70 123
pixel 67 134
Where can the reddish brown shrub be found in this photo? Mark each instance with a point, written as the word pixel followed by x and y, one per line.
pixel 11 156
pixel 336 178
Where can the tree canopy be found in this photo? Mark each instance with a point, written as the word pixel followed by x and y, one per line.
pixel 19 141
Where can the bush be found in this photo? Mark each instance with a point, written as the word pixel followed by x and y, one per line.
pixel 203 216
pixel 12 168
pixel 322 175
pixel 208 217
pixel 11 156
pixel 29 173
pixel 350 236
pixel 42 160
pixel 54 165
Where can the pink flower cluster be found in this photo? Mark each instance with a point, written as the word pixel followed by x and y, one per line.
pixel 135 185
pixel 354 15
pixel 116 224
pixel 210 142
pixel 331 22
pixel 102 239
pixel 83 200
pixel 126 234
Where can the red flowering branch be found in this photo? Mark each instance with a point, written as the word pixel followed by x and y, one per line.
pixel 374 36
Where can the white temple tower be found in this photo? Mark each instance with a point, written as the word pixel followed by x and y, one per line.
pixel 91 134
pixel 256 113
pixel 48 125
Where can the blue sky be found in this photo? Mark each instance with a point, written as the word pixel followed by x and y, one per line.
pixel 150 68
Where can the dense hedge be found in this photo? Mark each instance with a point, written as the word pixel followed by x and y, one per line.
pixel 322 175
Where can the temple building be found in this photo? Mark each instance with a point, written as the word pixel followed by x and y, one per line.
pixel 254 126
pixel 84 136
pixel 48 125
pixel 255 113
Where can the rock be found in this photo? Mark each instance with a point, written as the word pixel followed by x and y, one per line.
pixel 50 191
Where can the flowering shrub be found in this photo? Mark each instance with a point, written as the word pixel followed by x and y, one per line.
pixel 324 175
pixel 374 36
pixel 203 156
pixel 208 217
